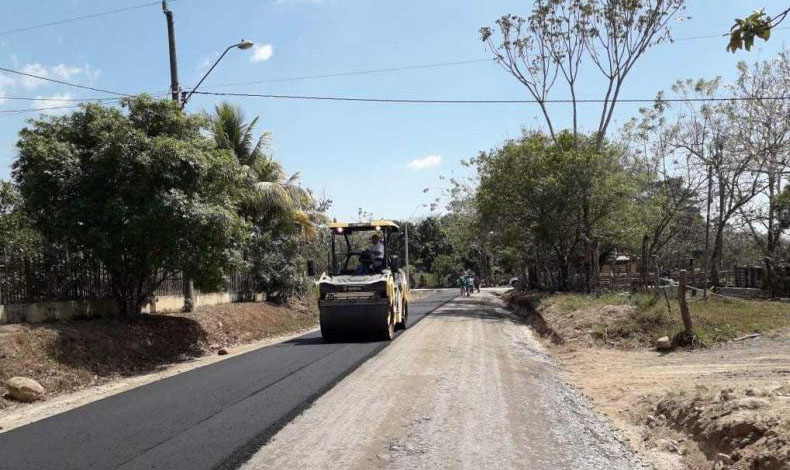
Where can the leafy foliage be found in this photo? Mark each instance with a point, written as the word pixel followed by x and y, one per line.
pixel 16 234
pixel 533 191
pixel 144 191
pixel 756 25
pixel 284 215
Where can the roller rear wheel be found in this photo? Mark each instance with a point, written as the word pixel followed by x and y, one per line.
pixel 388 329
pixel 405 316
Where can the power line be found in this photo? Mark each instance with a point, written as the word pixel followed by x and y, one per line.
pixel 709 36
pixel 475 101
pixel 75 85
pixel 407 67
pixel 354 72
pixel 79 18
pixel 8 112
pixel 29 98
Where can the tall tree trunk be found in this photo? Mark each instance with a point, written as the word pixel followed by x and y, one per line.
pixel 716 256
pixel 771 242
pixel 596 267
pixel 719 240
pixel 644 262
pixel 706 270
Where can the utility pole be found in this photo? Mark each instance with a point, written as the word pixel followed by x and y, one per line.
pixel 175 89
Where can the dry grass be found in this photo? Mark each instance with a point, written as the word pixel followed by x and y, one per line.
pixel 67 356
pixel 636 320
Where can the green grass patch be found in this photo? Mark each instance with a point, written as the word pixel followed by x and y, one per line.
pixel 717 319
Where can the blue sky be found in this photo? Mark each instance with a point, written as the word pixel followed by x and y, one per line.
pixel 375 156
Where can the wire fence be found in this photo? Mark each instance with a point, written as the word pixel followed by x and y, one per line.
pixel 63 276
pixel 52 276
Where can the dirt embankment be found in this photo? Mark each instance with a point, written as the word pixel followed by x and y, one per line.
pixel 724 406
pixel 69 356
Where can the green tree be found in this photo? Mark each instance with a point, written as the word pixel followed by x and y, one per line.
pixel 532 191
pixel 446 269
pixel 16 234
pixel 559 41
pixel 272 194
pixel 284 215
pixel 144 191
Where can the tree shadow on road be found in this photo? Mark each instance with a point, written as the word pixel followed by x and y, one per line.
pixel 474 307
pixel 523 310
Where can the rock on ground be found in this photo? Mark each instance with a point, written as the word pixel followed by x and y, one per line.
pixel 24 389
pixel 663 343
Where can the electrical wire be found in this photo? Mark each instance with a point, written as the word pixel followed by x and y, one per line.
pixel 105 101
pixel 407 67
pixel 62 82
pixel 471 101
pixel 10 112
pixel 80 18
pixel 722 35
pixel 29 98
pixel 354 72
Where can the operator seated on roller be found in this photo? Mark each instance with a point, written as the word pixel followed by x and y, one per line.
pixel 372 259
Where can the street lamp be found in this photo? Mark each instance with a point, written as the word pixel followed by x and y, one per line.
pixel 243 45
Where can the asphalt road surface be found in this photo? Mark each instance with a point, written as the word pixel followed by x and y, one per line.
pixel 469 388
pixel 212 417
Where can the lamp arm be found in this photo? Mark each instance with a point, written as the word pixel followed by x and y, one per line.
pixel 188 96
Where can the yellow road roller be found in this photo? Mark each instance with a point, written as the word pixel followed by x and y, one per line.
pixel 364 292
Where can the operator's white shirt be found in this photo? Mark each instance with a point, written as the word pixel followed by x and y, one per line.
pixel 377 250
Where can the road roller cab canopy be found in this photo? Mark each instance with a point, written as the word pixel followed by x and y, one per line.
pixel 351 227
pixel 350 244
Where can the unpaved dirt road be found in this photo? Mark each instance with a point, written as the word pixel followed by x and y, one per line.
pixel 466 388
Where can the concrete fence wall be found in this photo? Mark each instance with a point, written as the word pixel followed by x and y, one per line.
pixel 41 312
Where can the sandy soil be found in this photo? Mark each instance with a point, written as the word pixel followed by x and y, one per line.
pixel 466 388
pixel 634 388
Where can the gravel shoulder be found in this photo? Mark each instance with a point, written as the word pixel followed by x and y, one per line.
pixel 467 387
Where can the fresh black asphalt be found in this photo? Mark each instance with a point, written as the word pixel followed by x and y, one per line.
pixel 208 418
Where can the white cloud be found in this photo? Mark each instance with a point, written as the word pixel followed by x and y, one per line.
pixel 65 72
pixel 206 61
pixel 6 81
pixel 55 102
pixel 34 69
pixel 261 53
pixel 425 162
pixel 60 72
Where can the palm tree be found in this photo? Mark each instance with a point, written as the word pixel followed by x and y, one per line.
pixel 274 196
